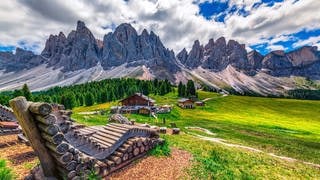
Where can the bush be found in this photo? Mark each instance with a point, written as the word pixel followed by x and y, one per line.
pixel 94 176
pixel 5 172
pixel 161 150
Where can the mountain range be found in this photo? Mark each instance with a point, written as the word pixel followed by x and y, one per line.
pixel 222 65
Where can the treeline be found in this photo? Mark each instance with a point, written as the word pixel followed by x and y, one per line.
pixel 93 92
pixel 186 90
pixel 304 94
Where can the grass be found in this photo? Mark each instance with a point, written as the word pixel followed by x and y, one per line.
pixel 282 126
pixel 5 172
pixel 161 150
pixel 214 161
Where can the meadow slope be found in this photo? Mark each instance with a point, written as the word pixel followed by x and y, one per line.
pixel 284 127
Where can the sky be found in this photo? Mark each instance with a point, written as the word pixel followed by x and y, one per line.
pixel 263 25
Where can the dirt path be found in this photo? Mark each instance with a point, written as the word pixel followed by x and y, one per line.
pixel 223 142
pixel 208 99
pixel 20 158
pixel 151 167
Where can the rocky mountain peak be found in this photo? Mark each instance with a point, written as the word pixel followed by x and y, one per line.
pixel 182 56
pixel 124 32
pixel 62 36
pixel 209 47
pixel 81 26
pixel 221 42
pixel 145 33
pixel 303 56
pixel 193 59
pixel 255 59
pixel 278 52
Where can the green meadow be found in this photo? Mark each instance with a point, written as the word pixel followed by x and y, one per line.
pixel 285 127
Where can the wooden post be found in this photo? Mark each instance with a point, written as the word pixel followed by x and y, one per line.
pixel 20 107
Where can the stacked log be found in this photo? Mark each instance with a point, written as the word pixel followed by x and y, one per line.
pixel 8 123
pixel 6 114
pixel 69 151
pixel 132 149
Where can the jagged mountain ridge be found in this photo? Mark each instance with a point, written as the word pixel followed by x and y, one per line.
pixel 79 57
pixel 217 55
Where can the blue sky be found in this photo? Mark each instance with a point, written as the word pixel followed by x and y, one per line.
pixel 264 25
pixel 220 10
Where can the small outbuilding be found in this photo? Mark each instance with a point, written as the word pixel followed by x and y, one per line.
pixel 186 103
pixel 199 103
pixel 138 99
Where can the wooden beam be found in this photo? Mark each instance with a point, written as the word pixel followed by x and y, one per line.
pixel 20 108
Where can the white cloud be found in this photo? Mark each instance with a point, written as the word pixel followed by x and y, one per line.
pixel 178 22
pixel 310 41
pixel 275 47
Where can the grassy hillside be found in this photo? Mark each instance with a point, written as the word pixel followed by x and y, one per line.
pixel 281 126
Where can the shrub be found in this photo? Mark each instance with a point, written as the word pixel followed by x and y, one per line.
pixel 5 172
pixel 161 150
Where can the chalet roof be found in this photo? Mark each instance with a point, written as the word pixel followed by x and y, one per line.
pixel 142 96
pixel 184 100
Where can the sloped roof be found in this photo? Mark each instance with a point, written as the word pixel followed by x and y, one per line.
pixel 184 100
pixel 142 96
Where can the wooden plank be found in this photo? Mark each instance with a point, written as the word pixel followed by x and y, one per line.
pixel 101 141
pixel 121 126
pixel 118 127
pixel 21 110
pixel 106 136
pixel 114 130
pixel 113 135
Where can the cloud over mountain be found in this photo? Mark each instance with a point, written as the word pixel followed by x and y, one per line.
pixel 263 25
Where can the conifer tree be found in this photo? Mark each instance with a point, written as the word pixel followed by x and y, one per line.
pixel 180 93
pixel 26 92
pixel 89 101
pixel 191 90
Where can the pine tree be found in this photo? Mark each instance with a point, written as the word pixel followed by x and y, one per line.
pixel 183 91
pixel 162 90
pixel 89 99
pixel 180 93
pixel 26 92
pixel 191 90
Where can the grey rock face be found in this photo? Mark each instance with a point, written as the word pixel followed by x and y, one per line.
pixel 255 59
pixel 304 61
pixel 277 63
pixel 78 51
pixel 22 59
pixel 195 56
pixel 126 46
pixel 182 56
pixel 218 55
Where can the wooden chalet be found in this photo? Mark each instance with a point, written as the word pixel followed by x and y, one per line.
pixel 138 99
pixel 186 103
pixel 145 110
